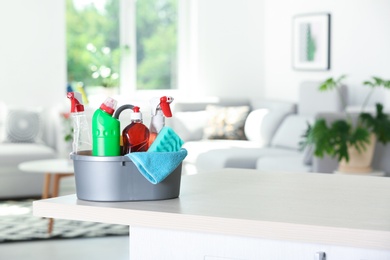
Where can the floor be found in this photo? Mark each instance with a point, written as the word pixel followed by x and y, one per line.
pixel 76 249
pixel 115 248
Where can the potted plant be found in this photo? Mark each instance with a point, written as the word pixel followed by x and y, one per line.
pixel 352 138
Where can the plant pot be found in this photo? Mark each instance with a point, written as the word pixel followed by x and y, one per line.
pixel 359 162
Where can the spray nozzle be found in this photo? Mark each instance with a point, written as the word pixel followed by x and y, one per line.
pixel 162 104
pixel 76 103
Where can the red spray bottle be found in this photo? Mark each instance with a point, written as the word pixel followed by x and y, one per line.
pixel 81 131
pixel 160 109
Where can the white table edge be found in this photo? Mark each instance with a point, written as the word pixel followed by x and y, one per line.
pixel 67 207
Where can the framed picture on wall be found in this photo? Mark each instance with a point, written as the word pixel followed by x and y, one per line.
pixel 311 42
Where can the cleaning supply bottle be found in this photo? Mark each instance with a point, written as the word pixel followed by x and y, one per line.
pixel 105 130
pixel 136 134
pixel 160 109
pixel 81 131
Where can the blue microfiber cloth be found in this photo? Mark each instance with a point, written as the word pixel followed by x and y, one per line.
pixel 156 166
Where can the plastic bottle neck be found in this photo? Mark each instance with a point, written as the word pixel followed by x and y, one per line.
pixel 107 109
pixel 136 116
pixel 157 122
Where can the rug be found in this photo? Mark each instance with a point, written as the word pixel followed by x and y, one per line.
pixel 18 224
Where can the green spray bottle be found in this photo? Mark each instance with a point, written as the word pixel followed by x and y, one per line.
pixel 105 130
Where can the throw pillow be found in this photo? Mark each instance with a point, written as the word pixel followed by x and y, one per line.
pixel 290 132
pixel 261 124
pixel 226 122
pixel 189 125
pixel 23 126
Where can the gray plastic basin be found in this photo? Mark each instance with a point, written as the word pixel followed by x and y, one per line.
pixel 116 178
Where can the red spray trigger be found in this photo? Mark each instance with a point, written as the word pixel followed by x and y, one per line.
pixel 76 106
pixel 164 104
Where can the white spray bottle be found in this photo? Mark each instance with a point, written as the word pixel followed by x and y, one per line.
pixel 160 108
pixel 81 131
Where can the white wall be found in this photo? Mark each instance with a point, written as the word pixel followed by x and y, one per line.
pixel 360 41
pixel 230 48
pixel 32 52
pixel 243 47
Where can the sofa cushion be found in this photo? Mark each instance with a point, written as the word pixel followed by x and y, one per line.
pixel 226 122
pixel 209 155
pixel 313 101
pixel 290 132
pixel 11 154
pixel 189 125
pixel 195 148
pixel 285 163
pixel 236 157
pixel 261 124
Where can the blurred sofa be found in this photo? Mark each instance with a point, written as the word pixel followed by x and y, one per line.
pixel 272 131
pixel 27 133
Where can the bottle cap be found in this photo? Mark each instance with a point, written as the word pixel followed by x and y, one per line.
pixel 136 115
pixel 109 105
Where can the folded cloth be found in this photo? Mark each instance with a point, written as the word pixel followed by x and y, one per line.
pixel 156 166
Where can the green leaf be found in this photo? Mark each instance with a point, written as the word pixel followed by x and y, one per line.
pixel 359 138
pixel 331 83
pixel 377 82
pixel 379 125
pixel 327 85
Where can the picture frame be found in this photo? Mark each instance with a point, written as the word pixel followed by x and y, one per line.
pixel 311 41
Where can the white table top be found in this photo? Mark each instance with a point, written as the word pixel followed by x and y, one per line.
pixel 372 173
pixel 52 166
pixel 307 207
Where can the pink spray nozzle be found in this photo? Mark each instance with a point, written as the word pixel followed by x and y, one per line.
pixel 164 104
pixel 75 99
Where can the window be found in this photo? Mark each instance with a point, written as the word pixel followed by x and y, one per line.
pixel 156 24
pixel 93 52
pixel 96 49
